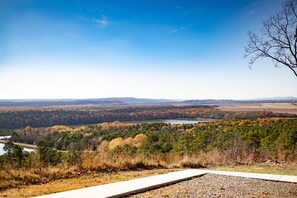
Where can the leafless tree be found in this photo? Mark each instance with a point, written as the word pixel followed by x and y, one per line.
pixel 278 39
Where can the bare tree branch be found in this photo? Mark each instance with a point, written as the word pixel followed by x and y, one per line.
pixel 278 39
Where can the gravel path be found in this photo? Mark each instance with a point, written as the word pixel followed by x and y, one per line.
pixel 224 186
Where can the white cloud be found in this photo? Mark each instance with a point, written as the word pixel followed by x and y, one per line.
pixel 80 10
pixel 173 31
pixel 177 30
pixel 251 12
pixel 102 22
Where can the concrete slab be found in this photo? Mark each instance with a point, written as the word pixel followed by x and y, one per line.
pixel 288 178
pixel 129 187
pixel 270 177
pixel 263 176
pixel 226 173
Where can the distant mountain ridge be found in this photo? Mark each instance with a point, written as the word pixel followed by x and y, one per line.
pixel 130 101
pixel 229 101
pixel 208 101
pixel 278 98
pixel 133 100
pixel 95 101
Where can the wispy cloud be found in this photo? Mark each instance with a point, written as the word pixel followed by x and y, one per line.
pixel 177 30
pixel 173 31
pixel 102 22
pixel 251 12
pixel 80 10
pixel 252 4
pixel 251 8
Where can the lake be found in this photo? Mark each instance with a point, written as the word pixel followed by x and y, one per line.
pixel 2 151
pixel 5 137
pixel 2 145
pixel 173 121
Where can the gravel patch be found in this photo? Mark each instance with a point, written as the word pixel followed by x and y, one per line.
pixel 211 185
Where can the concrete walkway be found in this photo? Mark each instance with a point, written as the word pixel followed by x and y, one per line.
pixel 119 189
pixel 123 188
pixel 269 177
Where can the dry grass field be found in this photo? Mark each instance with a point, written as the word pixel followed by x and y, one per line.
pixel 274 107
pixel 93 178
pixel 85 180
pixel 266 168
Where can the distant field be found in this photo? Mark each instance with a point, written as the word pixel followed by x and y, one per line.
pixel 52 108
pixel 274 107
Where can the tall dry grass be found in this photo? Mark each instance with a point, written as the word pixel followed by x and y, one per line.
pixel 106 159
pixel 102 161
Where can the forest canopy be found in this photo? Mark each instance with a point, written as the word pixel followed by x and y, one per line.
pixel 46 118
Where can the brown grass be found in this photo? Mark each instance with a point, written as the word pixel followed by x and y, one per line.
pixel 56 179
pixel 267 168
pixel 99 168
pixel 85 180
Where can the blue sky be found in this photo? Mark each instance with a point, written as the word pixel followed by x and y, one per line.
pixel 148 49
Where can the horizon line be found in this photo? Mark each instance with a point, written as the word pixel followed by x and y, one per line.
pixel 143 98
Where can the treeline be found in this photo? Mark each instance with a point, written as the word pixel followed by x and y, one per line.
pixel 17 158
pixel 65 152
pixel 238 141
pixel 46 118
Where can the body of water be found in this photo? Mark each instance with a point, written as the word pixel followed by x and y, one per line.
pixel 5 137
pixel 173 121
pixel 2 145
pixel 2 151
